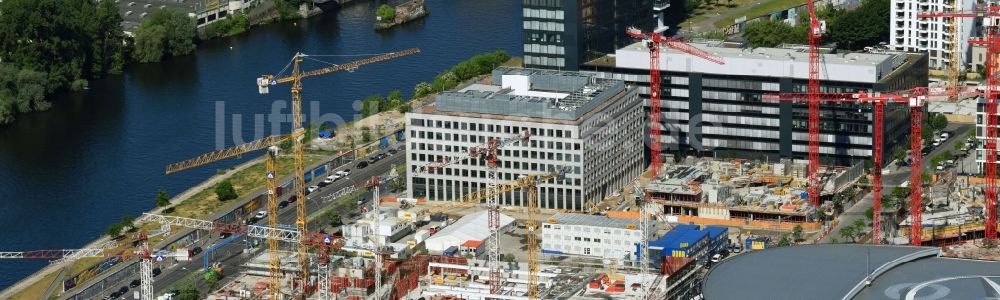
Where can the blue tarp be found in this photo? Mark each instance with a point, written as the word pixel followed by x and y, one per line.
pixel 384 142
pixel 326 134
pixel 308 176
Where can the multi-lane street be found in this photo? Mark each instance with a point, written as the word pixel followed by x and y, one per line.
pixel 231 256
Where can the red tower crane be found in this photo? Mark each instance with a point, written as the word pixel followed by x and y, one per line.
pixel 914 98
pixel 815 34
pixel 990 39
pixel 653 42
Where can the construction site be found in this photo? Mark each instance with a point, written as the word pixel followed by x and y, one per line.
pixel 542 184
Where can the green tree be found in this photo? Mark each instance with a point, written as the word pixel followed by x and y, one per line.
pixel 848 233
pixel 938 121
pixel 165 32
pixel 334 218
pixel 691 5
pixel 188 293
pixel 771 33
pixel 870 214
pixel 865 26
pixel 366 135
pixel 797 232
pixel 422 89
pixel 162 198
pixel 386 13
pixel 785 241
pixel 114 230
pixel 225 191
pixel 395 99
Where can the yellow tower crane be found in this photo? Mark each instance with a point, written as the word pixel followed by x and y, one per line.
pixel 297 136
pixel 271 142
pixel 529 182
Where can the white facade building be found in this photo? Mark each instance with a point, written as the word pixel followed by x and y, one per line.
pixel 590 126
pixel 931 35
pixel 590 235
pixel 472 227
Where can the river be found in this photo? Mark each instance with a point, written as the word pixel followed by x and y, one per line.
pixel 67 173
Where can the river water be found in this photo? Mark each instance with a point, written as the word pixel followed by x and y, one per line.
pixel 67 173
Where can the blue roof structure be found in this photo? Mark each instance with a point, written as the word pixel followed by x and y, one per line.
pixel 715 231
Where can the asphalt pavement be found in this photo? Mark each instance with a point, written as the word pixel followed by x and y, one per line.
pixel 231 255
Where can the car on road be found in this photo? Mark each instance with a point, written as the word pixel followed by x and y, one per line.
pixel 135 283
pixel 195 250
pixel 156 272
pixel 293 198
pixel 333 177
pixel 940 168
pixel 936 143
pixel 344 172
pixel 716 258
pixel 325 183
pixel 114 295
pixel 361 165
pixel 391 152
pixel 260 214
pixel 123 290
pixel 283 204
pixel 312 189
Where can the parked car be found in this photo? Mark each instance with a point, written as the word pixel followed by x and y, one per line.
pixel 361 165
pixel 312 189
pixel 135 283
pixel 293 198
pixel 333 177
pixel 716 258
pixel 324 183
pixel 156 272
pixel 123 290
pixel 260 214
pixel 283 204
pixel 391 152
pixel 195 250
pixel 115 295
pixel 344 172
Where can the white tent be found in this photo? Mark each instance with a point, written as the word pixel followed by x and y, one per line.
pixel 470 227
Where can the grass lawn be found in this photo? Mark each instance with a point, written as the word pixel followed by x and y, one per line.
pixel 765 7
pixel 704 12
pixel 204 203
pixel 515 62
pixel 36 290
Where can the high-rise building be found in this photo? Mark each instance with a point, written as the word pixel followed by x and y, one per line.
pixel 931 35
pixel 590 126
pixel 563 34
pixel 719 110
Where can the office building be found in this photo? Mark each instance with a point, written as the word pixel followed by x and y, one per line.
pixel 930 35
pixel 720 110
pixel 562 34
pixel 576 122
pixel 590 235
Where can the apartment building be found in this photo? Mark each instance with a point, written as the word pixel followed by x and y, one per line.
pixel 588 125
pixel 930 35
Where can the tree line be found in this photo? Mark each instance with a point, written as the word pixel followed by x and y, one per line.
pixel 853 30
pixel 52 45
pixel 477 65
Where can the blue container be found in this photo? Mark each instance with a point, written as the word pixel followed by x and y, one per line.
pixel 319 171
pixel 384 142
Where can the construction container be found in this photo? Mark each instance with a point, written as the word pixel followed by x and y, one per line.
pixel 756 243
pixel 421 235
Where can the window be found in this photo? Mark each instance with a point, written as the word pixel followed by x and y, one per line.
pixel 586 239
pixel 586 251
pixel 576 238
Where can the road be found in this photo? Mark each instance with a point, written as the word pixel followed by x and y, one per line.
pixel 895 178
pixel 231 256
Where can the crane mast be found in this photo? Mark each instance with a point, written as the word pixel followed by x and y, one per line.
pixel 302 250
pixel 990 39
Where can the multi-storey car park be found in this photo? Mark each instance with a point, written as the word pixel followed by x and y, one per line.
pixel 720 110
pixel 590 126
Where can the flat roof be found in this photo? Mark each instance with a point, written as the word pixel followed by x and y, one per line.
pixel 838 271
pixel 591 220
pixel 533 93
pixel 789 61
